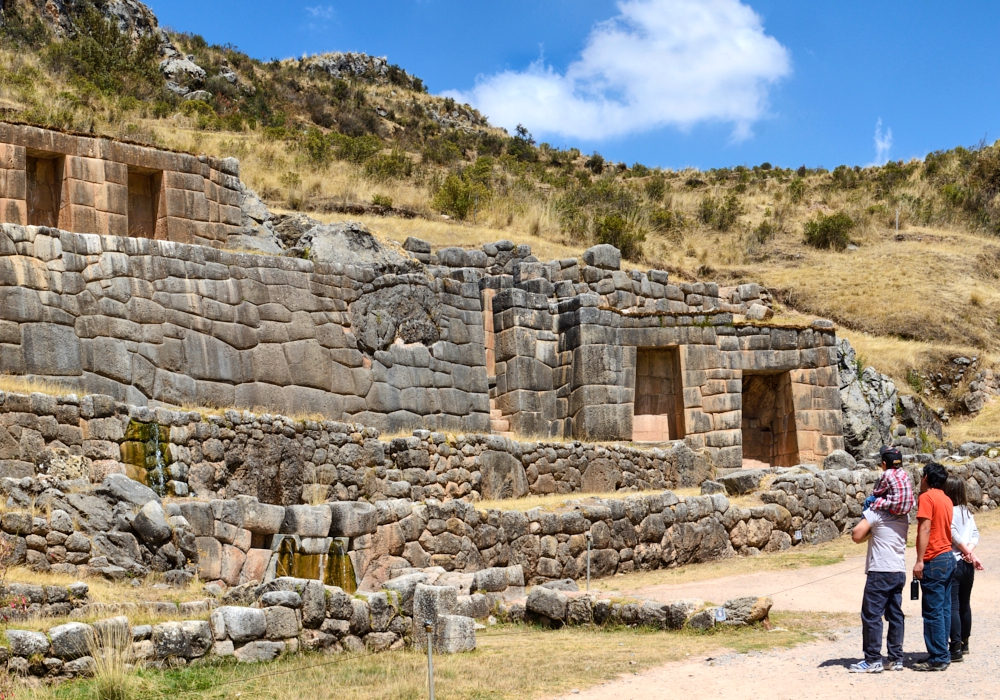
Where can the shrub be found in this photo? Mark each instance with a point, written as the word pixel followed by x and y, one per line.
pixel 440 151
pixel 626 236
pixel 458 195
pixel 380 200
pixel 105 56
pixel 18 31
pixel 595 163
pixel 721 215
pixel 656 187
pixel 797 189
pixel 663 220
pixel 829 232
pixel 640 170
pixel 395 165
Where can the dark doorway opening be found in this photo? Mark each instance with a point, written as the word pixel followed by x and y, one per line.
pixel 768 421
pixel 44 175
pixel 143 198
pixel 659 396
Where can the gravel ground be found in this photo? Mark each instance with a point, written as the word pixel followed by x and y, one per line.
pixel 819 670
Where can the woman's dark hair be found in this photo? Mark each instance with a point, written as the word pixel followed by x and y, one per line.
pixel 936 475
pixel 954 488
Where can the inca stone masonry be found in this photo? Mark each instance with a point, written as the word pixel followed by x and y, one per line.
pixel 114 280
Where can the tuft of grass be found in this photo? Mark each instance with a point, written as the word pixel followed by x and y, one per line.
pixel 116 669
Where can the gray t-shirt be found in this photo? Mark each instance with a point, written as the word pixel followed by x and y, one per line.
pixel 887 546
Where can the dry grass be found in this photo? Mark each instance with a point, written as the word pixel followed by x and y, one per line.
pixel 104 591
pixel 31 385
pixel 556 501
pixel 504 667
pixel 983 427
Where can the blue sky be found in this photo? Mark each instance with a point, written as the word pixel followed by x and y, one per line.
pixel 707 83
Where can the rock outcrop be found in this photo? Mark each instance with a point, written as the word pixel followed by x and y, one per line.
pixel 868 401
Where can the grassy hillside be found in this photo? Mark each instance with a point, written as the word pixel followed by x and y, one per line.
pixel 825 241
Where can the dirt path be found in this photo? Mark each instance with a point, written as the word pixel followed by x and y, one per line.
pixel 819 670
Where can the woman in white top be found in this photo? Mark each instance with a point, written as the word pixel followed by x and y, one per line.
pixel 964 538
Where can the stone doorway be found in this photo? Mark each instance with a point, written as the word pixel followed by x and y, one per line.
pixel 44 180
pixel 768 421
pixel 659 396
pixel 143 199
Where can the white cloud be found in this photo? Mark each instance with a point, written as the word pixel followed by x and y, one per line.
pixel 657 63
pixel 883 143
pixel 321 12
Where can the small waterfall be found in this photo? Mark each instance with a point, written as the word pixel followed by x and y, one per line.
pixel 158 473
pixel 333 568
pixel 339 568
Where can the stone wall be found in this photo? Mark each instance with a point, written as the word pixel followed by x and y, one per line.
pixel 284 616
pixel 146 320
pixel 195 199
pixel 284 461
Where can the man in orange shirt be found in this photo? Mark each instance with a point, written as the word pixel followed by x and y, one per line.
pixel 934 566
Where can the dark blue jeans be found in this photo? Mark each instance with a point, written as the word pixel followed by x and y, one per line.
pixel 936 606
pixel 883 598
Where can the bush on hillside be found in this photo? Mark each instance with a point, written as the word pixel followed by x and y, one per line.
pixel 389 166
pixel 458 196
pixel 829 232
pixel 106 57
pixel 626 236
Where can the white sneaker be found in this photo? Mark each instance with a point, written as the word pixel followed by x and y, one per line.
pixel 865 667
pixel 896 666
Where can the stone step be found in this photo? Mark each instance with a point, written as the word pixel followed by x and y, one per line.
pixel 496 414
pixel 499 426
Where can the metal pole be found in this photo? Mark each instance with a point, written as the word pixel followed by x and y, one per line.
pixel 429 628
pixel 589 541
pixel 897 219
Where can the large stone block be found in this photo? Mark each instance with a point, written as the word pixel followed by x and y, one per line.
pixel 51 350
pixel 503 476
pixel 352 519
pixel 429 603
pixel 261 518
pixel 238 623
pixel 307 521
pixel 454 634
pixel 150 523
pixel 547 603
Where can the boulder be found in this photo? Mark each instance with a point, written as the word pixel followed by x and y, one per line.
pixel 351 243
pixel 119 488
pixel 352 519
pixel 742 481
pixel 868 404
pixel 170 641
pixel 240 624
pixel 839 459
pixel 709 487
pixel 746 610
pixel 71 641
pixel 150 523
pixel 547 603
pixel 27 644
pixel 759 312
pixel 281 622
pixel 259 652
pixel 604 256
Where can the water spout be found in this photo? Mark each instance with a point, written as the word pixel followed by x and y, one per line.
pixel 339 568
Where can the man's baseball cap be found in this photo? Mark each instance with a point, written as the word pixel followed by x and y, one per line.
pixel 891 456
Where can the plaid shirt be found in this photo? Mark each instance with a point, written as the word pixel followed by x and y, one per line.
pixel 894 492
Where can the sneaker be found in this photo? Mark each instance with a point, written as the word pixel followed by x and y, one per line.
pixel 895 666
pixel 865 667
pixel 929 666
pixel 965 647
pixel 956 656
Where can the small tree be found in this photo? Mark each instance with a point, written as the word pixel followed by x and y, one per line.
pixel 829 232
pixel 626 236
